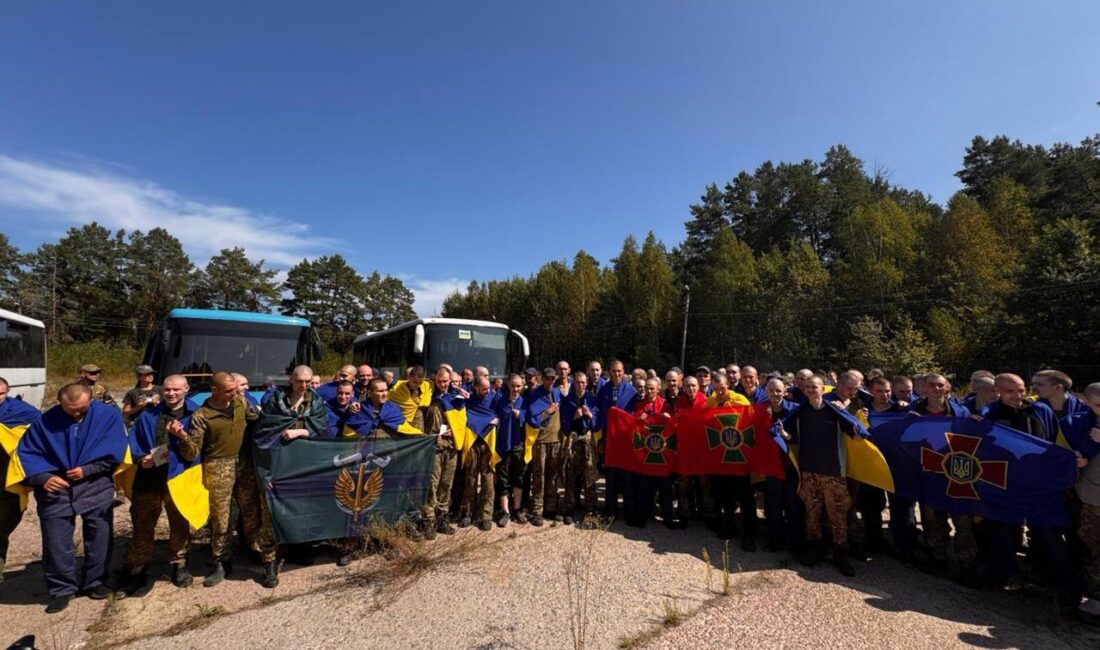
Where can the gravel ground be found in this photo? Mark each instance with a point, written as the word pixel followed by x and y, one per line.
pixel 512 592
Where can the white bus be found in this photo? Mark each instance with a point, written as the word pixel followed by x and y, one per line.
pixel 429 342
pixel 23 356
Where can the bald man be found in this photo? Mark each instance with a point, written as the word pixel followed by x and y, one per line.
pixel 219 432
pixel 328 391
pixel 69 455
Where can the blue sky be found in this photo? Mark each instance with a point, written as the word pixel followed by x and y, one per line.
pixel 445 141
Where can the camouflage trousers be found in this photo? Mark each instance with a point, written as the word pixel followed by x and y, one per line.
pixel 145 506
pixel 1088 531
pixel 820 492
pixel 579 472
pixel 10 516
pixel 936 534
pixel 477 462
pixel 226 479
pixel 545 472
pixel 438 502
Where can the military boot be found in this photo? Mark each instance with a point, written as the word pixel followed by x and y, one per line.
pixel 216 575
pixel 444 526
pixel 840 560
pixel 181 577
pixel 812 555
pixel 271 575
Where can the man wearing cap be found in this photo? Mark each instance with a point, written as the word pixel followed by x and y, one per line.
pixel 89 376
pixel 144 393
pixel 702 373
pixel 531 380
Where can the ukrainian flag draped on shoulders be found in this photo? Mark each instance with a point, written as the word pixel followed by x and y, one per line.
pixel 276 416
pixel 976 467
pixel 860 459
pixel 534 415
pixel 388 416
pixel 185 480
pixel 15 416
pixel 453 406
pixel 47 446
pixel 409 404
pixel 482 420
pixel 510 431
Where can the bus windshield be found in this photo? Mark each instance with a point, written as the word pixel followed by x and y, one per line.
pixel 467 346
pixel 260 351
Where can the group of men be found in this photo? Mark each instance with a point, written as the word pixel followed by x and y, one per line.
pixel 532 451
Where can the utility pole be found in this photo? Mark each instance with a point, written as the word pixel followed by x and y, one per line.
pixel 684 340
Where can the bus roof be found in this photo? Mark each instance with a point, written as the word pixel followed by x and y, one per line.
pixel 430 321
pixel 19 318
pixel 240 316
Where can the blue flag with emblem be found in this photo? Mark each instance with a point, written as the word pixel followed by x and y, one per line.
pixel 975 467
pixel 328 488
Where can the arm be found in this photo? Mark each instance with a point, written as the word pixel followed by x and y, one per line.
pixel 191 444
pixel 97 467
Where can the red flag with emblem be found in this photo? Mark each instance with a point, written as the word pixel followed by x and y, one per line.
pixel 642 446
pixel 728 440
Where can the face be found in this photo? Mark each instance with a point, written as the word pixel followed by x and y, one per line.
pixel 903 391
pixel 173 392
pixel 301 383
pixel 78 407
pixel 562 370
pixel 775 392
pixel 673 381
pixel 594 371
pixel 733 373
pixel 548 382
pixel 442 382
pixel 813 388
pixel 145 379
pixel 580 385
pixel 881 392
pixel 242 386
pixel 1094 404
pixel 691 387
pixel 467 375
pixel 347 373
pixel 617 373
pixel 703 377
pixel 90 377
pixel 801 377
pixel 225 391
pixel 315 383
pixel 651 389
pixel 481 388
pixel 1012 391
pixel 749 379
pixel 379 393
pixel 364 374
pixel 4 390
pixel 515 386
pixel 847 389
pixel 935 388
pixel 343 395
pixel 1043 386
pixel 986 392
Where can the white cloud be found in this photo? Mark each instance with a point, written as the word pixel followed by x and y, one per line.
pixel 430 293
pixel 69 196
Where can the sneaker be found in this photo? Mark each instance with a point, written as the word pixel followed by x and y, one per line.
pixel 536 520
pixel 840 561
pixel 485 525
pixel 502 520
pixel 58 604
pixel 99 592
pixel 181 577
pixel 271 576
pixel 520 517
pixel 344 559
pixel 216 575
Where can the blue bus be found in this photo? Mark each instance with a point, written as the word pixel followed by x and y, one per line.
pixel 196 343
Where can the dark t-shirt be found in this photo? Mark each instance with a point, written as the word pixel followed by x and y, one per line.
pixel 136 396
pixel 818 431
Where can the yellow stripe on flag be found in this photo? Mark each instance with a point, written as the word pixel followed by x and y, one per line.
pixel 190 496
pixel 14 481
pixel 456 420
pixel 866 463
pixel 529 443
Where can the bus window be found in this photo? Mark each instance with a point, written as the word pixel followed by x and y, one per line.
pixel 21 345
pixel 467 346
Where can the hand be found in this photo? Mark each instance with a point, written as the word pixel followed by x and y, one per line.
pixel 154 400
pixel 176 429
pixel 56 484
pixel 515 413
pixel 975 416
pixel 147 461
pixel 902 404
pixel 1081 460
pixel 783 434
pixel 494 422
pixel 586 411
pixel 293 434
pixel 553 408
pixel 464 394
pixel 75 474
pixel 355 407
pixel 1095 434
pixel 865 412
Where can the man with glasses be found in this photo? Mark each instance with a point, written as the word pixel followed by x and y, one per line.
pixel 89 376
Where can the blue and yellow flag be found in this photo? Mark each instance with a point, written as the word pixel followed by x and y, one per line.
pixel 15 416
pixel 47 446
pixel 975 467
pixel 861 460
pixel 534 416
pixel 454 412
pixel 407 402
pixel 480 416
pixel 369 418
pixel 185 481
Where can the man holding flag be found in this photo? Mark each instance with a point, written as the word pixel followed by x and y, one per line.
pixel 15 416
pixel 730 492
pixel 446 415
pixel 510 443
pixel 154 441
pixel 68 458
pixel 480 457
pixel 543 419
pixel 615 393
pixel 578 416
pixel 782 507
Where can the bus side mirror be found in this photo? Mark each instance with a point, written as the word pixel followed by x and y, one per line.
pixel 526 346
pixel 418 340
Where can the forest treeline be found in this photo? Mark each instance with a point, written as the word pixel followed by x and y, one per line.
pixel 95 285
pixel 825 264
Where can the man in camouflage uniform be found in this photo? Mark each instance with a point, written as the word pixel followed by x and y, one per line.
pixel 150 490
pixel 579 412
pixel 477 497
pixel 219 431
pixel 89 376
pixel 438 504
pixel 542 412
